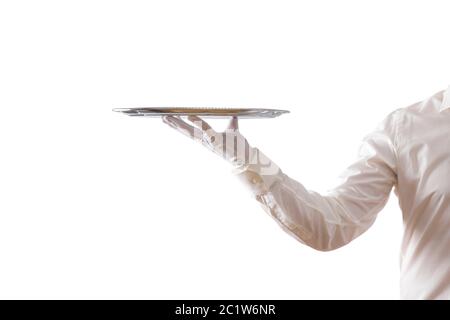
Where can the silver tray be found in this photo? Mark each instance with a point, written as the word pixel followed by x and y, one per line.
pixel 203 112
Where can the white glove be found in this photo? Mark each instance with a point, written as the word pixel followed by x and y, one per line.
pixel 230 144
pixel 250 165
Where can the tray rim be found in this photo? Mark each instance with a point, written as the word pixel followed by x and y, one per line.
pixel 205 112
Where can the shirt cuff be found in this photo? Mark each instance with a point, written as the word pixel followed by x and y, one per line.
pixel 259 174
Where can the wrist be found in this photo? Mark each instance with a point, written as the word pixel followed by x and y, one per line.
pixel 259 172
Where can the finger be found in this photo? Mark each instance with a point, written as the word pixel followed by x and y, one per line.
pixel 233 125
pixel 166 120
pixel 204 131
pixel 179 125
pixel 199 123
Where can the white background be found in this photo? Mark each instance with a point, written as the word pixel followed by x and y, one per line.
pixel 98 205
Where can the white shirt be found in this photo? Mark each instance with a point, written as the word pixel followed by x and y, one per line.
pixel 410 151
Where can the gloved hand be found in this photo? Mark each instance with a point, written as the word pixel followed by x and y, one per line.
pixel 230 144
pixel 250 165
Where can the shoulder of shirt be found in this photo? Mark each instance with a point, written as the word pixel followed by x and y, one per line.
pixel 399 119
pixel 427 106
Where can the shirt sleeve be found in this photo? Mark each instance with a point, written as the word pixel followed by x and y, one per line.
pixel 330 220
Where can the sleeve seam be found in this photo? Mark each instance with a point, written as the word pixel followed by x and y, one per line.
pixel 396 139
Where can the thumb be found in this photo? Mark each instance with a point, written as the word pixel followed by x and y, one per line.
pixel 233 125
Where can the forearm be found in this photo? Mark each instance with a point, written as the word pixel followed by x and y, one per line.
pixel 323 222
